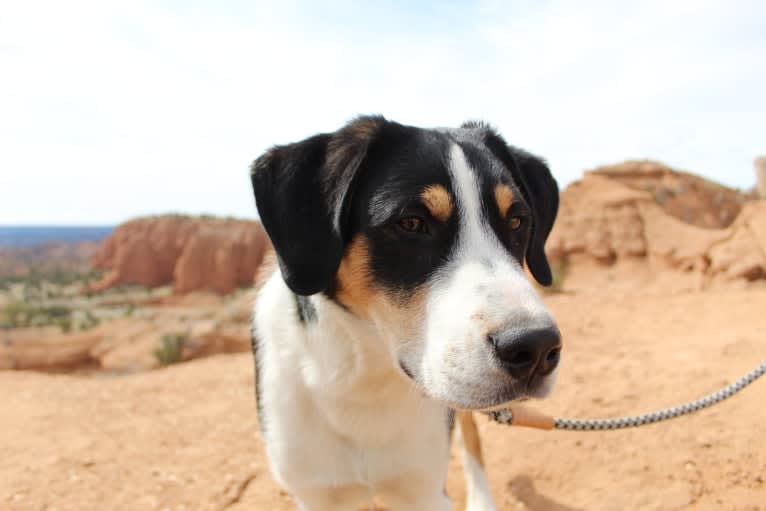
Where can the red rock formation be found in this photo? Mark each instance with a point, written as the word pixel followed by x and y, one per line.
pixel 760 176
pixel 616 216
pixel 692 199
pixel 192 253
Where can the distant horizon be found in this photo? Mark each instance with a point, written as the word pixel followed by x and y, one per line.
pixel 60 226
pixel 34 235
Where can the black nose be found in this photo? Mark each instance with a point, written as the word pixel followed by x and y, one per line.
pixel 527 352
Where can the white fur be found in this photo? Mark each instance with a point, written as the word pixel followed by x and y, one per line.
pixel 342 420
pixel 339 421
pixel 481 290
pixel 478 494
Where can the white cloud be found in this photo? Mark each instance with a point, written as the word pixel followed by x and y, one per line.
pixel 113 111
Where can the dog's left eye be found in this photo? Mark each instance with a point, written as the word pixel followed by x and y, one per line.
pixel 412 224
pixel 516 223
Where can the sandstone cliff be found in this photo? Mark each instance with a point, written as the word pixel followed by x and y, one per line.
pixel 191 253
pixel 760 176
pixel 650 219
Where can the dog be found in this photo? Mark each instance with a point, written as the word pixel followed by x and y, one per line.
pixel 397 304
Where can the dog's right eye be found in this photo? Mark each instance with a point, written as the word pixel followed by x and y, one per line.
pixel 412 224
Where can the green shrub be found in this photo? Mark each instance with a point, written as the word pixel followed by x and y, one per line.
pixel 17 314
pixel 89 322
pixel 20 315
pixel 170 350
pixel 65 324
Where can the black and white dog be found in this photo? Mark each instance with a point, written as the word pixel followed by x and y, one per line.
pixel 400 299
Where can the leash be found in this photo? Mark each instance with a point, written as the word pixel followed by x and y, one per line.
pixel 519 415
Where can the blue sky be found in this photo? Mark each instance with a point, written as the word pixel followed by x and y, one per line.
pixel 113 110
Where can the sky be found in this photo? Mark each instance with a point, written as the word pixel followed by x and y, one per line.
pixel 111 110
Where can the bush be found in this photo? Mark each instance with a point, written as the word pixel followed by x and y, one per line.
pixel 89 321
pixel 65 324
pixel 20 315
pixel 170 350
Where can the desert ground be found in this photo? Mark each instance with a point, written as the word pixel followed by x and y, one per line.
pixel 127 381
pixel 186 437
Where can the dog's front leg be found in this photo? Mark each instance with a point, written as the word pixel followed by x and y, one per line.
pixel 347 498
pixel 439 502
pixel 406 495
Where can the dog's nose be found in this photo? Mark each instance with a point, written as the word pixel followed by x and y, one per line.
pixel 524 353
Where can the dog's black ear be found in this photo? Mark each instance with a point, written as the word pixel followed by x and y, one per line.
pixel 540 191
pixel 301 192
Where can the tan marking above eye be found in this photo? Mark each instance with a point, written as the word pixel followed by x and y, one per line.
pixel 438 201
pixel 504 198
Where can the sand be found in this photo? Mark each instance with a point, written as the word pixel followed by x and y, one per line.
pixel 186 437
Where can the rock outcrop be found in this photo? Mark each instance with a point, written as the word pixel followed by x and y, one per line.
pixel 689 198
pixel 626 215
pixel 191 253
pixel 760 176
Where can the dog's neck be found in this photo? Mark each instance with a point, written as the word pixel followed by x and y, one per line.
pixel 346 363
pixel 353 348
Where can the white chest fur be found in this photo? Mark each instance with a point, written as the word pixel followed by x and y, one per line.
pixel 337 412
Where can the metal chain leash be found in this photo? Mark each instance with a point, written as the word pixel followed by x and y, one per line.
pixel 521 416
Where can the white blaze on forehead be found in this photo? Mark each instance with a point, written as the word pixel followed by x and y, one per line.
pixel 466 186
pixel 482 289
pixel 480 258
pixel 475 235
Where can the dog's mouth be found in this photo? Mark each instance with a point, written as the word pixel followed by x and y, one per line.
pixel 407 372
pixel 507 392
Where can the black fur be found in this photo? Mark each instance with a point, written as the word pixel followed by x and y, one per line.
pixel 401 163
pixel 301 190
pixel 286 182
pixel 316 195
pixel 540 191
pixel 307 313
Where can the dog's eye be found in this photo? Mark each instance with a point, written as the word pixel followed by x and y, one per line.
pixel 516 223
pixel 412 224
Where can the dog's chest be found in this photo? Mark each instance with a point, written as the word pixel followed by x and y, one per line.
pixel 335 409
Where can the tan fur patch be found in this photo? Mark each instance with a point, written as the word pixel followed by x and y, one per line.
pixel 504 198
pixel 364 128
pixel 355 289
pixel 348 146
pixel 470 434
pixel 438 201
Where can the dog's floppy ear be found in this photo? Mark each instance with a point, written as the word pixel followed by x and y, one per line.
pixel 540 191
pixel 301 191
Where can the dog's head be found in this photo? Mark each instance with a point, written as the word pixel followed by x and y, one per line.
pixel 425 233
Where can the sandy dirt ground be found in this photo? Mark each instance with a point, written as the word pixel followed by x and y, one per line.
pixel 185 438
